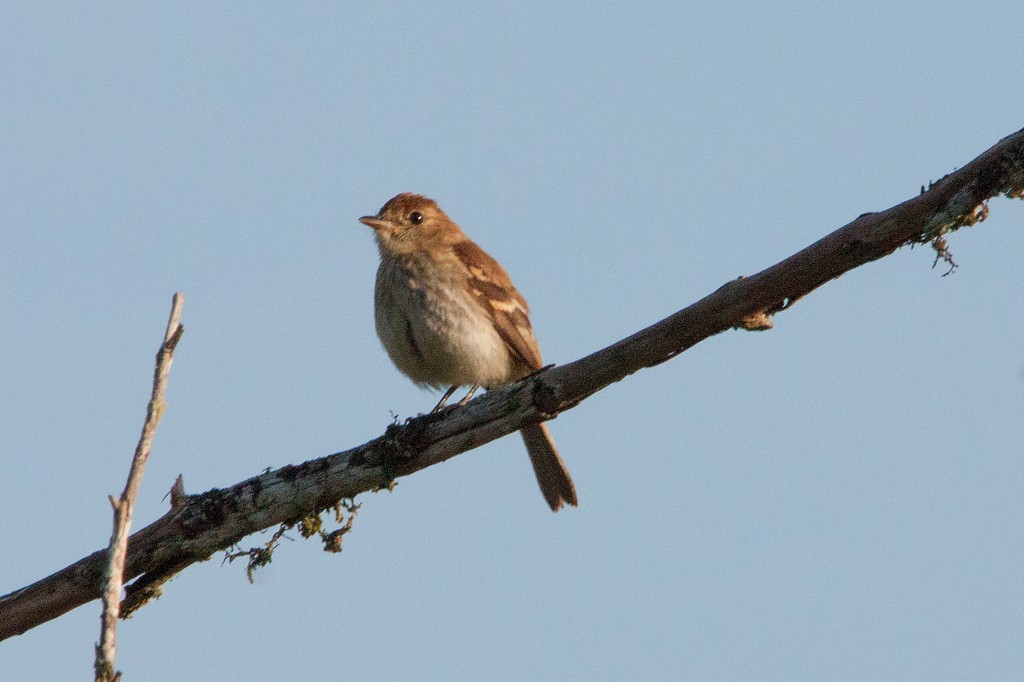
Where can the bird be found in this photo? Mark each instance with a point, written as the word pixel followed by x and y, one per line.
pixel 448 315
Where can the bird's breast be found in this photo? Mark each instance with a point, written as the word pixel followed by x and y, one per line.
pixel 435 332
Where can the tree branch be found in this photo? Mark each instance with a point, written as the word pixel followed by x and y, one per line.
pixel 113 577
pixel 203 524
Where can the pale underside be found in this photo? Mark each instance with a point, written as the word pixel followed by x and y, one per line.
pixel 454 342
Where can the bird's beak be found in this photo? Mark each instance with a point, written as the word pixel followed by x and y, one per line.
pixel 374 222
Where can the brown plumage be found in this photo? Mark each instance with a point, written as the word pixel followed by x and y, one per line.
pixel 448 315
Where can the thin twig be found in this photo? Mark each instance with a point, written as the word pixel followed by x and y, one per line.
pixel 113 577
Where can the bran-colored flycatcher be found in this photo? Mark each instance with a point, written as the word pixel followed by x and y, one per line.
pixel 449 316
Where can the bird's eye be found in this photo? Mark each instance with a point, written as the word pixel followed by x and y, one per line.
pixel 415 217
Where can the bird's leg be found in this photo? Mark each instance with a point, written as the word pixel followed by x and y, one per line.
pixel 469 395
pixel 444 399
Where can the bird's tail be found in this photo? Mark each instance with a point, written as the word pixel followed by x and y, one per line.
pixel 555 482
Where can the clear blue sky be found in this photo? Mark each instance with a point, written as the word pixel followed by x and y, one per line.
pixel 839 498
